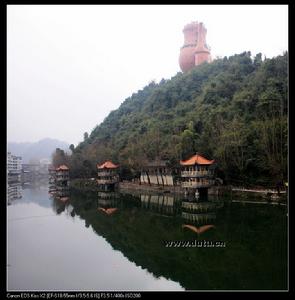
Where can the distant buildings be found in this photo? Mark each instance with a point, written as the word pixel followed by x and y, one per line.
pixel 19 172
pixel 14 164
pixel 35 171
pixel 30 172
pixel 44 165
pixel 14 167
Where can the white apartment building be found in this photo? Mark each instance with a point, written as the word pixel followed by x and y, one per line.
pixel 14 164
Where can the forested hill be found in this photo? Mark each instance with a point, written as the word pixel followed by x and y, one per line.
pixel 233 110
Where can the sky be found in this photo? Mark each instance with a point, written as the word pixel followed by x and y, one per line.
pixel 69 66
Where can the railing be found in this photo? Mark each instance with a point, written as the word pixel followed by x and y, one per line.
pixel 195 173
pixel 199 218
pixel 199 207
pixel 187 184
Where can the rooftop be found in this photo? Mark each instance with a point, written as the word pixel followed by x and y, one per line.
pixel 107 165
pixel 62 168
pixel 197 159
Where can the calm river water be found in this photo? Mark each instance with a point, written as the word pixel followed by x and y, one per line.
pixel 110 241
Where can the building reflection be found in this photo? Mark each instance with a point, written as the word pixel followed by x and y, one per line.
pixel 52 191
pixel 63 193
pixel 161 204
pixel 61 198
pixel 14 192
pixel 140 235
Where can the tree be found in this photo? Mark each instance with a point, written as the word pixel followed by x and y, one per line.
pixel 233 110
pixel 59 158
pixel 258 60
pixel 72 148
pixel 272 144
pixel 234 141
pixel 188 141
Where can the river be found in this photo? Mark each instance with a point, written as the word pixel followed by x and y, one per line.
pixel 90 241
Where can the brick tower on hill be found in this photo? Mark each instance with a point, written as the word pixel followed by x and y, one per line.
pixel 195 50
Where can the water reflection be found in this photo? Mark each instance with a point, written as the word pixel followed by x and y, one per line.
pixel 84 260
pixel 61 200
pixel 127 241
pixel 14 192
pixel 62 193
pixel 161 204
pixel 199 212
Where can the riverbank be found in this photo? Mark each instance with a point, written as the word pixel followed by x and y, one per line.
pixel 134 186
pixel 177 190
pixel 230 191
pixel 87 185
pixel 269 195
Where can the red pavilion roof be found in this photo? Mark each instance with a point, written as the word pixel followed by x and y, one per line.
pixel 196 160
pixel 62 168
pixel 107 165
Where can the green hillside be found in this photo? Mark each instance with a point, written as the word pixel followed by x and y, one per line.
pixel 233 110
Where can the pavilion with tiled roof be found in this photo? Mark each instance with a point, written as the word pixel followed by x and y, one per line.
pixel 107 175
pixel 62 175
pixel 197 172
pixel 196 159
pixel 107 165
pixel 62 168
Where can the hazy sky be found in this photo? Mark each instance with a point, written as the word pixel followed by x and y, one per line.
pixel 68 66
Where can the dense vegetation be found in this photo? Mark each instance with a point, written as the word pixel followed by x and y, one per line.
pixel 233 110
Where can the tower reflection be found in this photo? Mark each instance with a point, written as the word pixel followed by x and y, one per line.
pixel 199 216
pixel 61 199
pixel 107 202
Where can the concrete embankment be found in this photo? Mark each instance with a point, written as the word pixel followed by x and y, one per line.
pixel 178 190
pixel 90 185
pixel 133 186
pixel 84 184
pixel 237 193
pixel 269 195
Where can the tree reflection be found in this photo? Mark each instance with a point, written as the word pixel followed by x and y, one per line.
pixel 142 223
